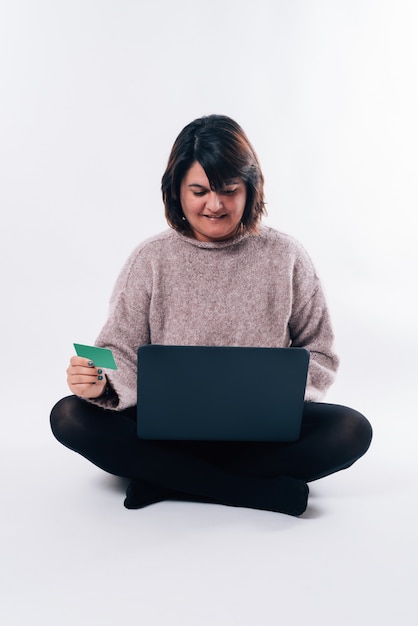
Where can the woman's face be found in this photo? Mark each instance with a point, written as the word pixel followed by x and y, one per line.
pixel 212 215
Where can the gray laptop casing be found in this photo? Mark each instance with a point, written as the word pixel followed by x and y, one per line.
pixel 206 393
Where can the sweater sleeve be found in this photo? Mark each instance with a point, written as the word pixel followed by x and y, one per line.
pixel 126 328
pixel 310 327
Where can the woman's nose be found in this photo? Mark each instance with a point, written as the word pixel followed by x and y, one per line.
pixel 214 202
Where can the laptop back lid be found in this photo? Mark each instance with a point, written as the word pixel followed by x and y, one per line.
pixel 220 393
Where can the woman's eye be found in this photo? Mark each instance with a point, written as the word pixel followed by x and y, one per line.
pixel 224 192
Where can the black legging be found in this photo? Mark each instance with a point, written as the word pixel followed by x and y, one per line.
pixel 332 438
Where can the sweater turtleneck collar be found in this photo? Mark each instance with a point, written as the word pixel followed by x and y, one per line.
pixel 214 245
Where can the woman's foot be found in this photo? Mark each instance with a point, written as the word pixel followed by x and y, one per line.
pixel 287 495
pixel 140 494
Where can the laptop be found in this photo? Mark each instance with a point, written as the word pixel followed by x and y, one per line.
pixel 207 393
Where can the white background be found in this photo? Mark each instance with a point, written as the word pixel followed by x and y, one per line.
pixel 92 96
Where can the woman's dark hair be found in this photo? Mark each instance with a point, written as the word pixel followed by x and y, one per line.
pixel 221 147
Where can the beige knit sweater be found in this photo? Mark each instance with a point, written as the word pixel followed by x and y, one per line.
pixel 254 290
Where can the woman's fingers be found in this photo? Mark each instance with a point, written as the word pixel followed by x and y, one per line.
pixel 84 379
pixel 83 367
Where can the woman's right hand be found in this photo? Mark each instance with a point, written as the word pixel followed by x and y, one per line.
pixel 84 379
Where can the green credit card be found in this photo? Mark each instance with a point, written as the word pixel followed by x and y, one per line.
pixel 101 357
